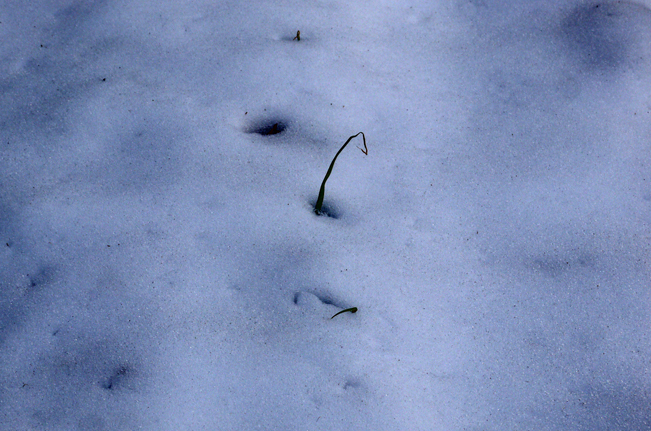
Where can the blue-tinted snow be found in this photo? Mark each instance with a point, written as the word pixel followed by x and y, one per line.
pixel 162 267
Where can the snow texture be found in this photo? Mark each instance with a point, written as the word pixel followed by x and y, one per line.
pixel 162 267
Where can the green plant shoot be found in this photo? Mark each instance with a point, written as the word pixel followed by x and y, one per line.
pixel 352 310
pixel 319 201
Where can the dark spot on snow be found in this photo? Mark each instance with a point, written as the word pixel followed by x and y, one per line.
pixel 268 127
pixel 43 276
pixel 327 210
pixel 324 297
pixel 352 383
pixel 554 265
pixel 116 378
pixel 598 34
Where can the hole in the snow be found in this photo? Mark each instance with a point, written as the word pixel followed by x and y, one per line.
pixel 116 378
pixel 352 383
pixel 44 276
pixel 323 297
pixel 269 127
pixel 327 210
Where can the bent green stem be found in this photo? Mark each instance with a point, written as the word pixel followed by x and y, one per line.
pixel 352 310
pixel 319 201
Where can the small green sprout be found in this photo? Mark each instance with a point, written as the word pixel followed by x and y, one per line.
pixel 298 36
pixel 319 201
pixel 352 310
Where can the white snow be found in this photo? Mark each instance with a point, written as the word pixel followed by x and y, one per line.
pixel 162 267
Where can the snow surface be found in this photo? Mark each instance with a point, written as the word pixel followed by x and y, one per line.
pixel 162 267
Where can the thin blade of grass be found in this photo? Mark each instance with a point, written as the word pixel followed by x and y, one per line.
pixel 352 310
pixel 319 201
